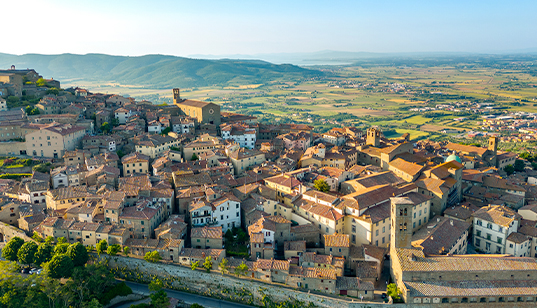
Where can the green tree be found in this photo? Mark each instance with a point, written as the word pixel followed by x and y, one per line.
pixel 54 91
pixel 241 269
pixel 106 128
pixel 152 256
pixel 166 131
pixel 44 253
pixel 519 165
pixel 43 168
pixel 94 303
pixel 194 265
pixel 159 298
pixel 208 264
pixel 36 237
pixel 113 250
pixel 60 266
pixel 156 285
pixel 534 165
pixel 195 305
pixel 49 240
pixel 224 267
pixel 509 169
pixel 78 253
pixel 194 157
pixel 41 82
pixel 9 252
pixel 61 248
pixel 126 250
pixel 321 185
pixel 12 99
pixel 101 246
pixel 26 253
pixel 393 291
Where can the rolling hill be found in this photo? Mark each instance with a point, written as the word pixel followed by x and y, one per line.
pixel 158 71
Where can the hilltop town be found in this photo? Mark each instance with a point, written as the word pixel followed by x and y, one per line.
pixel 343 212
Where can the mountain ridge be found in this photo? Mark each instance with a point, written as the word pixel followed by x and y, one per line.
pixel 159 71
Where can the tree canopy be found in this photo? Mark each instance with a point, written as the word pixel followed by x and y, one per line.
pixel 101 246
pixel 9 252
pixel 26 253
pixel 78 254
pixel 152 256
pixel 60 266
pixel 44 253
pixel 321 185
pixel 208 264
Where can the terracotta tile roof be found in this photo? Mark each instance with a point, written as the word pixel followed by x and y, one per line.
pixel 463 211
pixel 406 167
pixel 70 192
pixel 366 269
pixel 312 272
pixel 284 180
pixel 472 175
pixel 325 211
pixel 354 283
pixel 528 230
pixel 462 263
pixel 517 238
pixel 134 157
pixel 440 235
pixel 311 195
pixel 304 229
pixel 375 251
pixel 498 214
pixel 282 265
pixel 375 195
pixel 336 240
pixel 466 148
pixel 383 178
pixel 478 288
pixel 206 232
pixel 187 180
pixel 294 245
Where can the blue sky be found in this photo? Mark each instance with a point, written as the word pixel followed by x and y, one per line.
pixel 252 27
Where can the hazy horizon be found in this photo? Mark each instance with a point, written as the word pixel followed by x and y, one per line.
pixel 185 28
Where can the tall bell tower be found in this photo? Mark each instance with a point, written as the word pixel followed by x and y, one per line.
pixel 176 95
pixel 401 220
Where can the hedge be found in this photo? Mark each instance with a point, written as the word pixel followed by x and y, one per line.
pixel 14 176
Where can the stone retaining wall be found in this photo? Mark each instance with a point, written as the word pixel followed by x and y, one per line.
pixel 253 292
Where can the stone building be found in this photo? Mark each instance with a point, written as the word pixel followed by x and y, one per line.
pixel 451 279
pixel 203 112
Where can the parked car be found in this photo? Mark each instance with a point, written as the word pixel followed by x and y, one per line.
pixel 34 271
pixel 25 270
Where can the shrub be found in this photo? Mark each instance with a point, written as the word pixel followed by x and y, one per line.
pixel 120 289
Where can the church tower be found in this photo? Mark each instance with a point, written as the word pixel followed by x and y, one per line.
pixel 493 144
pixel 176 96
pixel 401 220
pixel 493 147
pixel 373 137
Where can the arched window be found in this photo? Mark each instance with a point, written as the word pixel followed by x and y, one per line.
pixel 400 227
pixel 405 212
pixel 400 211
pixel 404 226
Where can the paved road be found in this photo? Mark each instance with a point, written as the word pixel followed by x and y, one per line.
pixel 187 297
